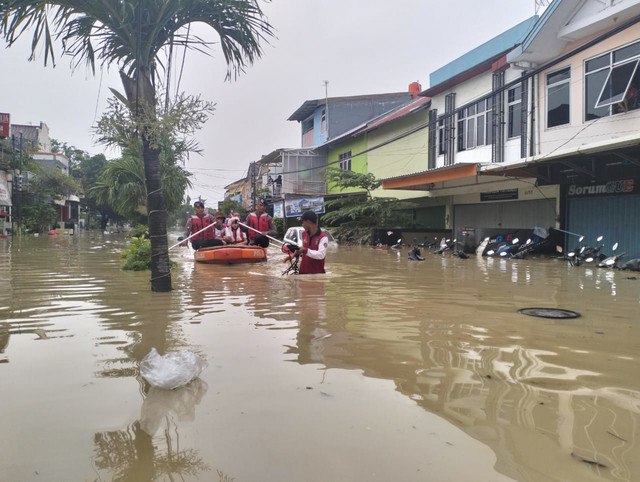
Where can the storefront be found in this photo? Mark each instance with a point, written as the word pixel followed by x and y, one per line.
pixel 5 205
pixel 610 209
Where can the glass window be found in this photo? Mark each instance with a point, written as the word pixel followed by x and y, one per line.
pixel 345 161
pixel 514 96
pixel 461 139
pixel 627 52
pixel 612 82
pixel 598 63
pixel 558 94
pixel 471 133
pixel 323 121
pixel 481 127
pixel 618 82
pixel 474 126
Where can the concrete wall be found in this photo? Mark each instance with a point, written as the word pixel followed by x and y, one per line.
pixel 405 156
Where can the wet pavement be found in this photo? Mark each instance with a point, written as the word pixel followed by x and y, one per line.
pixel 382 369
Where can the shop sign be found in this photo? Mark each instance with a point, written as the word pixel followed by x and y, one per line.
pixel 5 122
pixel 624 186
pixel 503 195
pixel 295 207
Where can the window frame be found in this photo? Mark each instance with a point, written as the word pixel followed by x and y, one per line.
pixel 344 161
pixel 514 121
pixel 608 67
pixel 557 84
pixel 470 119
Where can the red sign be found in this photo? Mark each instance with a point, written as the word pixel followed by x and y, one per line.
pixel 5 122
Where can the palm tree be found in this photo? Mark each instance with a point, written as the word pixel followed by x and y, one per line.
pixel 121 185
pixel 135 35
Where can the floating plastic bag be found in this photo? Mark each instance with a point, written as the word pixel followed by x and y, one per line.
pixel 171 371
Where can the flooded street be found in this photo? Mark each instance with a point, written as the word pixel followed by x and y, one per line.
pixel 383 369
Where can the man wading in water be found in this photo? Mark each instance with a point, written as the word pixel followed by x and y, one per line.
pixel 314 246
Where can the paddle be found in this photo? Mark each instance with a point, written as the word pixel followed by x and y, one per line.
pixel 260 232
pixel 187 239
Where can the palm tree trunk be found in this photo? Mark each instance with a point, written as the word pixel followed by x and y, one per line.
pixel 157 216
pixel 141 96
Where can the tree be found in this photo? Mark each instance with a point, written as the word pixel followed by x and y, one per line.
pixel 355 215
pixel 135 35
pixel 44 187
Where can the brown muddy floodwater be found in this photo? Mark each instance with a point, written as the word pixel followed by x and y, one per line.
pixel 383 369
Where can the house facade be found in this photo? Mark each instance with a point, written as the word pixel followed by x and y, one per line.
pixel 324 119
pixel 584 57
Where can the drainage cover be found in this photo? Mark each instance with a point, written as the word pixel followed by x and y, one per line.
pixel 549 312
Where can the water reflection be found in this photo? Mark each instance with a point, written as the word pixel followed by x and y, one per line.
pixel 547 396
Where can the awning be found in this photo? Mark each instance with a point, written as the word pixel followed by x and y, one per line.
pixel 423 181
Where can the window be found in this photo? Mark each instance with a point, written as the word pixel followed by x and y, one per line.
pixel 514 102
pixel 474 125
pixel 344 161
pixel 307 125
pixel 323 121
pixel 612 82
pixel 558 90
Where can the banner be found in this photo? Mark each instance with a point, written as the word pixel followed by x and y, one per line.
pixel 5 197
pixel 295 207
pixel 278 210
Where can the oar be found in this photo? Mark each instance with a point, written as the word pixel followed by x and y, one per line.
pixel 187 239
pixel 260 232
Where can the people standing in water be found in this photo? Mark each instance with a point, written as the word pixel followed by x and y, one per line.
pixel 314 246
pixel 262 225
pixel 197 222
pixel 233 234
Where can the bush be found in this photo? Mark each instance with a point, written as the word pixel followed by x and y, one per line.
pixel 137 256
pixel 139 231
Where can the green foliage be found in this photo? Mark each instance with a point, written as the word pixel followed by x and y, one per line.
pixel 279 223
pixel 38 217
pixel 352 217
pixel 137 255
pixel 350 179
pixel 139 230
pixel 229 205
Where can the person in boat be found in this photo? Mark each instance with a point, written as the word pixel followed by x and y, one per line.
pixel 314 246
pixel 233 234
pixel 260 221
pixel 219 226
pixel 197 222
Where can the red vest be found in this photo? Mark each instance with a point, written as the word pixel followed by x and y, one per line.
pixel 309 265
pixel 198 223
pixel 261 224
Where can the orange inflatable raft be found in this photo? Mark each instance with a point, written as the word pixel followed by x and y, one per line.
pixel 231 254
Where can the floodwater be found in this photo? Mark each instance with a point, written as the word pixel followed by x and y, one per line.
pixel 383 369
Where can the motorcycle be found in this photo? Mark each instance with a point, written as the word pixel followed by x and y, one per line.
pixel 611 261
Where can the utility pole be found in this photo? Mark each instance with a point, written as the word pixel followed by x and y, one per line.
pixel 253 185
pixel 326 105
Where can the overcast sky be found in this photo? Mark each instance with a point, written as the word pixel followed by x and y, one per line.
pixel 359 46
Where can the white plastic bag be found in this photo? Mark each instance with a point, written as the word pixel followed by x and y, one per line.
pixel 173 370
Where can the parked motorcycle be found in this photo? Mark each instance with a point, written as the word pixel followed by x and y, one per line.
pixel 611 261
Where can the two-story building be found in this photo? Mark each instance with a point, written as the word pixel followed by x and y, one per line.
pixel 582 61
pixel 477 118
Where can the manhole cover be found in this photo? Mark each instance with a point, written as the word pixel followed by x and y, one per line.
pixel 549 312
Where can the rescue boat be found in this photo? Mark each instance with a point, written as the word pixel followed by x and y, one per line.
pixel 230 254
